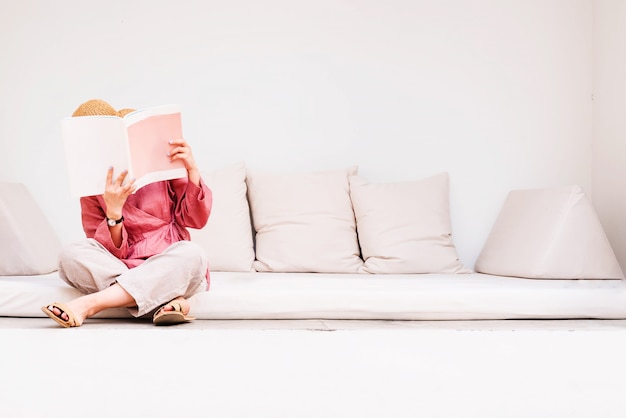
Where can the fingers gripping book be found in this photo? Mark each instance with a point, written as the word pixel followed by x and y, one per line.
pixel 137 142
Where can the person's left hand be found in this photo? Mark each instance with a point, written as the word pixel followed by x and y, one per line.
pixel 182 151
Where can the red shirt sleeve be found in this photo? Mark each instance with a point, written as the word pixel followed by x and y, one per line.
pixel 192 203
pixel 95 225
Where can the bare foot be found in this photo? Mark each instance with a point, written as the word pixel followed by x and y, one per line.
pixel 184 305
pixel 172 313
pixel 79 314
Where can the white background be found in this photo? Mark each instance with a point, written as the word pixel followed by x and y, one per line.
pixel 497 93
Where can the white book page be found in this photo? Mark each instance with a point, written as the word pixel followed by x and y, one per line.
pixel 141 114
pixel 92 145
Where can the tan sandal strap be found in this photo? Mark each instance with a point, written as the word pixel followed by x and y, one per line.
pixel 176 305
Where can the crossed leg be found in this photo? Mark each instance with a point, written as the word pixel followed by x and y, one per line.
pixel 88 305
pixel 106 282
pixel 83 307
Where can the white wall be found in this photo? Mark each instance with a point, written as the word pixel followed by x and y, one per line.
pixel 609 120
pixel 496 93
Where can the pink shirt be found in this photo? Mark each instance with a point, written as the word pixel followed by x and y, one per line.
pixel 155 217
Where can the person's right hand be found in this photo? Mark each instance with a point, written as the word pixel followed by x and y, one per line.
pixel 116 193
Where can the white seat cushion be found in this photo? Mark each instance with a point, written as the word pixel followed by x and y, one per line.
pixel 250 295
pixel 405 227
pixel 227 236
pixel 304 221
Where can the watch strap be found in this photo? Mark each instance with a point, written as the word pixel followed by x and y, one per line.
pixel 113 222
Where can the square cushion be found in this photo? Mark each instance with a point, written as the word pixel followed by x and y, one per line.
pixel 304 221
pixel 551 233
pixel 28 243
pixel 404 227
pixel 227 236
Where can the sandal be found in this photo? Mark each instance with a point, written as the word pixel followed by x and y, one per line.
pixel 71 318
pixel 176 316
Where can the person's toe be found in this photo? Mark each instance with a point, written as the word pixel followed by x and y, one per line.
pixel 59 313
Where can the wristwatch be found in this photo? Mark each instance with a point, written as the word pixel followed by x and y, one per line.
pixel 113 222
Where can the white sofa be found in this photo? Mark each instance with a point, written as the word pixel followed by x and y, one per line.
pixel 331 245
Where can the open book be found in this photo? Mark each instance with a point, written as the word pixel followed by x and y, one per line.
pixel 138 142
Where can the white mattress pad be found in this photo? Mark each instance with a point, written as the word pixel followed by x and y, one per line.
pixel 359 296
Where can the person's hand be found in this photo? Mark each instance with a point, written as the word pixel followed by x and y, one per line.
pixel 182 151
pixel 116 193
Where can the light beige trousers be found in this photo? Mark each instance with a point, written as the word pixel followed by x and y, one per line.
pixel 180 270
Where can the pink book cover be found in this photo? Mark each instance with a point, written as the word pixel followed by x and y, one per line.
pixel 149 133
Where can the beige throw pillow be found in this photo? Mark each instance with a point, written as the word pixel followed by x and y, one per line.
pixel 28 243
pixel 404 227
pixel 227 236
pixel 304 222
pixel 551 233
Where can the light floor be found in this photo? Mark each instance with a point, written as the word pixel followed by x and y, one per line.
pixel 128 368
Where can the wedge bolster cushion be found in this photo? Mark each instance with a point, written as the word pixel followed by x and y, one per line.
pixel 550 233
pixel 28 243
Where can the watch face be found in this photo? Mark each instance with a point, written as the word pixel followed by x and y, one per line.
pixel 113 222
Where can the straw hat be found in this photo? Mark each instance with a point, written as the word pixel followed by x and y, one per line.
pixel 123 112
pixel 95 107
